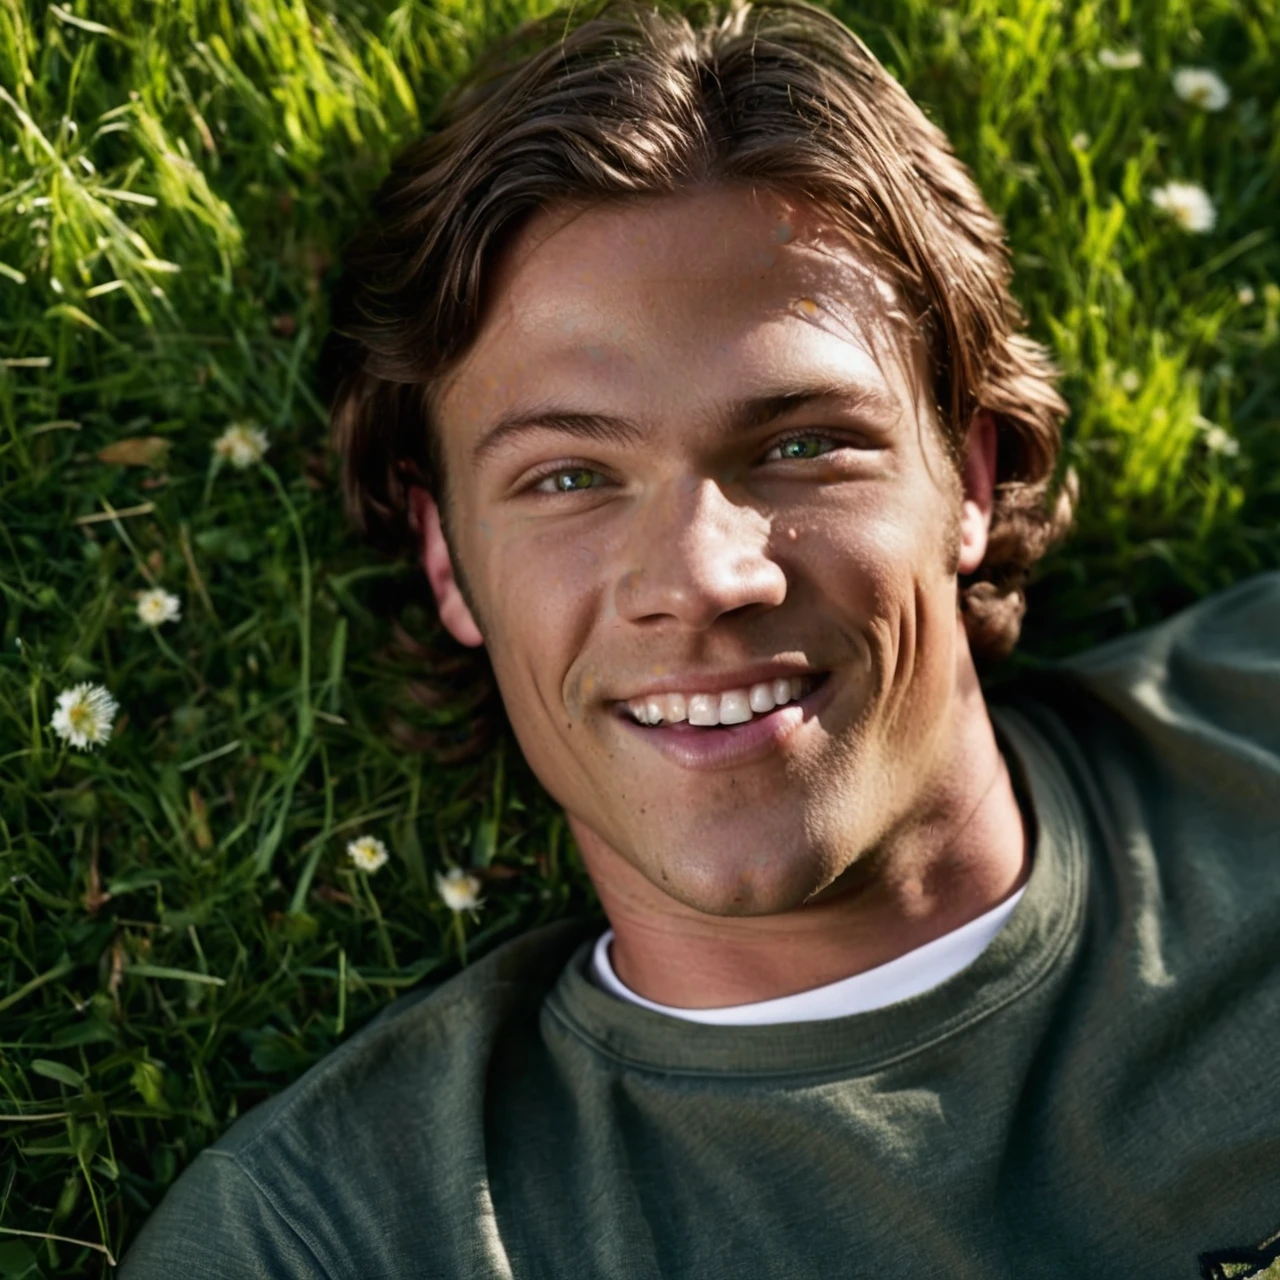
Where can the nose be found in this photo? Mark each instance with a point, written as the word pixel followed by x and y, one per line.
pixel 696 556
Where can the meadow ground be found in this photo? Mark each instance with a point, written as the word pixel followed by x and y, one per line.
pixel 182 930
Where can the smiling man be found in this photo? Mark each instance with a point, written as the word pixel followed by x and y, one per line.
pixel 682 356
pixel 712 531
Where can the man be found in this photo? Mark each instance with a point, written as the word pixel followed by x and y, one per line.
pixel 683 357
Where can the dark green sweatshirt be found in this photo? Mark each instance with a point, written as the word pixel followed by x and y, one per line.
pixel 1097 1095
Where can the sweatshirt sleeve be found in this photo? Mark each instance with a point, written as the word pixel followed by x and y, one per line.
pixel 215 1223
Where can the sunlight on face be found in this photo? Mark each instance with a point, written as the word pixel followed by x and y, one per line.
pixel 691 452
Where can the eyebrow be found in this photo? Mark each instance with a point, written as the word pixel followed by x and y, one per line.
pixel 746 414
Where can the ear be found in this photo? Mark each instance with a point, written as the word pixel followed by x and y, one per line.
pixel 437 562
pixel 979 479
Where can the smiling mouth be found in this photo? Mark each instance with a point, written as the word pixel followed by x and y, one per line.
pixel 720 710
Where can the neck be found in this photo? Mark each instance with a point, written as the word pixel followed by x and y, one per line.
pixel 962 853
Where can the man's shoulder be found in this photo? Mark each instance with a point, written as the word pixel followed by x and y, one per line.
pixel 1169 738
pixel 1207 678
pixel 1236 627
pixel 415 1052
pixel 1208 675
pixel 298 1177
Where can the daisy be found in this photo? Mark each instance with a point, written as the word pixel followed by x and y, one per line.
pixel 242 445
pixel 1220 440
pixel 1201 87
pixel 1120 59
pixel 157 606
pixel 459 889
pixel 1130 381
pixel 1187 204
pixel 1245 295
pixel 84 716
pixel 368 853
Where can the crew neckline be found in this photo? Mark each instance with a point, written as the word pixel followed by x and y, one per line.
pixel 910 974
pixel 1046 919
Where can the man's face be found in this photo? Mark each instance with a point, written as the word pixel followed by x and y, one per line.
pixel 692 460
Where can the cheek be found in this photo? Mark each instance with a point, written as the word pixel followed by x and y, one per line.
pixel 874 549
pixel 879 562
pixel 542 592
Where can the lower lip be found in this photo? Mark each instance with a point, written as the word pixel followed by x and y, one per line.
pixel 729 746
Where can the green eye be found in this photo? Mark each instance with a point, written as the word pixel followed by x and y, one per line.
pixel 571 480
pixel 804 447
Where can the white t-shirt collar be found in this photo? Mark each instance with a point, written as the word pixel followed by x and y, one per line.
pixel 909 975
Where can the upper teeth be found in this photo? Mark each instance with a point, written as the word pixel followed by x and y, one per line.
pixel 734 706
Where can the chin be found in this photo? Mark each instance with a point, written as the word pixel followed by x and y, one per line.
pixel 735 882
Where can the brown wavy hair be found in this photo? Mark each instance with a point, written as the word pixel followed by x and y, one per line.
pixel 621 100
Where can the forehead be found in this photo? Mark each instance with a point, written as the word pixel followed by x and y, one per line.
pixel 689 295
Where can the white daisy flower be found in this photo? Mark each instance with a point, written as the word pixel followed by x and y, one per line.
pixel 158 606
pixel 368 853
pixel 459 889
pixel 84 716
pixel 1187 204
pixel 242 445
pixel 1220 440
pixel 1080 141
pixel 1202 87
pixel 1120 59
pixel 1130 381
pixel 1245 295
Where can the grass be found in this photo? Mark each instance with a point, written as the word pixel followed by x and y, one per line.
pixel 181 933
